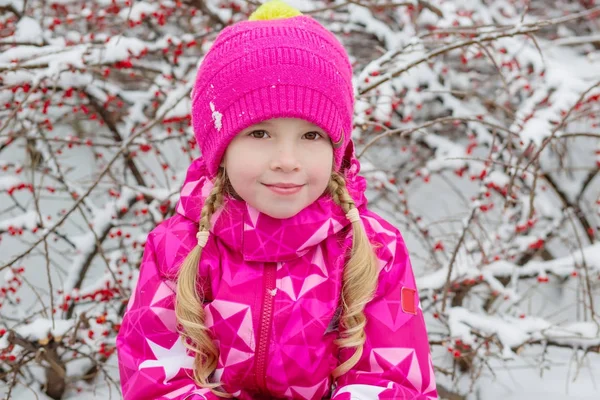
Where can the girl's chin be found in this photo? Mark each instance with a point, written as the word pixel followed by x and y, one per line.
pixel 278 212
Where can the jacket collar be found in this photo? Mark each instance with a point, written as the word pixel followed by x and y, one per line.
pixel 259 237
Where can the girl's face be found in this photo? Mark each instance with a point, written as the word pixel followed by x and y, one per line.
pixel 280 166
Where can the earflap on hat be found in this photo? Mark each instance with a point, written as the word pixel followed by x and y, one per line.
pixel 350 164
pixel 274 9
pixel 356 184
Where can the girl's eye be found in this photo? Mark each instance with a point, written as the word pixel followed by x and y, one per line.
pixel 313 135
pixel 258 134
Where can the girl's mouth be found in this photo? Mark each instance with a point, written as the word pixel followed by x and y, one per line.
pixel 285 189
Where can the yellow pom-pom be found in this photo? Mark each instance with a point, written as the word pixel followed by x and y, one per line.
pixel 274 9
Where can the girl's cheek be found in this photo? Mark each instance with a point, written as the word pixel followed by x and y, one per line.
pixel 260 146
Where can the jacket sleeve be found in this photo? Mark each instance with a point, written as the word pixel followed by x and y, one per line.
pixel 396 360
pixel 153 362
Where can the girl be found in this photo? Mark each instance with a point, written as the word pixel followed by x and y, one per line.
pixel 273 280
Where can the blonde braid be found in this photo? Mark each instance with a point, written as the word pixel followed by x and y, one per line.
pixel 360 279
pixel 188 303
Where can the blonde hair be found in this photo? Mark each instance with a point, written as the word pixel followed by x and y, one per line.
pixel 360 279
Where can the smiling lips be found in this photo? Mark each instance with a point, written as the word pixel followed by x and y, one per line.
pixel 285 188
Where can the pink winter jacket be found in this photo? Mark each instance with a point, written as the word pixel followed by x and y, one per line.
pixel 272 289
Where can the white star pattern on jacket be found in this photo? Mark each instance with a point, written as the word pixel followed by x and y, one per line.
pixel 170 359
pixel 362 392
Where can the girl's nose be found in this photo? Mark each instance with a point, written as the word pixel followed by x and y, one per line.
pixel 285 160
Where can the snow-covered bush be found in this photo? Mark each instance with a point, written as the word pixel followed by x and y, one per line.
pixel 477 124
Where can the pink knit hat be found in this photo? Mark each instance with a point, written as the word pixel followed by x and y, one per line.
pixel 263 69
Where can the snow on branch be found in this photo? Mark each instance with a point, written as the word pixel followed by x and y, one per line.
pixel 513 333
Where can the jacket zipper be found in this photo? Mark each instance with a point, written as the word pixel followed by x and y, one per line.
pixel 264 337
